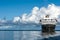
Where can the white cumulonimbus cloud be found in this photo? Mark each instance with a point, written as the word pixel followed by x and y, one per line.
pixel 37 13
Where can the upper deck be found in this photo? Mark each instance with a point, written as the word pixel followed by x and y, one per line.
pixel 48 21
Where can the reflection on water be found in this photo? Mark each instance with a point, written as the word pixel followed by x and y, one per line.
pixel 30 35
pixel 26 35
pixel 34 35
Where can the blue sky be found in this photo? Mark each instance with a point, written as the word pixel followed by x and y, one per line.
pixel 12 8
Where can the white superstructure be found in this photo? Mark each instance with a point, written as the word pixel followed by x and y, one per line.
pixel 48 20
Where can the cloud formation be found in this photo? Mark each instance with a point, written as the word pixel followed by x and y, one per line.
pixel 38 13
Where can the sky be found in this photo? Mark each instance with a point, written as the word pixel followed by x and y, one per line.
pixel 12 8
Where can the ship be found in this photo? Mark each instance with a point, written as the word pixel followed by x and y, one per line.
pixel 48 25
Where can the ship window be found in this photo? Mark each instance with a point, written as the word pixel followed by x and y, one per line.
pixel 45 19
pixel 51 19
pixel 40 20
